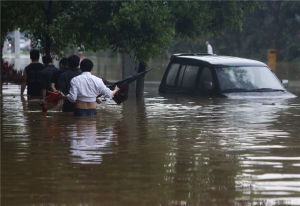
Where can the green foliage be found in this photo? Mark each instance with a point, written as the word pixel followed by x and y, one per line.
pixel 47 25
pixel 10 17
pixel 142 28
pixel 197 18
pixel 273 25
pixel 44 22
pixel 89 24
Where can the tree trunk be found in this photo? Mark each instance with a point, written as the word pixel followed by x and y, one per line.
pixel 48 45
pixel 49 19
pixel 129 67
pixel 238 42
pixel 2 43
pixel 140 82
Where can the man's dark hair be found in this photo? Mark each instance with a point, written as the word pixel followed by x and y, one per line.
pixel 63 63
pixel 73 61
pixel 47 59
pixel 34 54
pixel 86 65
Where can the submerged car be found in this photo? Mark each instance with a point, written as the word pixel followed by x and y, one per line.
pixel 223 76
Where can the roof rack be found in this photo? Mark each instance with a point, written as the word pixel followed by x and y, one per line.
pixel 193 54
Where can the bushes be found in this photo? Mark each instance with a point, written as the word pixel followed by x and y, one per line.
pixel 9 74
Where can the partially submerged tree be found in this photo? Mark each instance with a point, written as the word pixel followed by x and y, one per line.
pixel 142 29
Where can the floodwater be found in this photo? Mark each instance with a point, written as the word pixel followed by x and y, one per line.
pixel 156 151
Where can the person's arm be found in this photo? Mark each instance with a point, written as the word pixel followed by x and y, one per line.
pixel 24 82
pixel 105 91
pixel 98 100
pixel 54 81
pixel 52 85
pixel 116 90
pixel 72 96
pixel 61 83
pixel 44 92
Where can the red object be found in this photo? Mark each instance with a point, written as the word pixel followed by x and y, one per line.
pixel 44 108
pixel 9 74
pixel 52 96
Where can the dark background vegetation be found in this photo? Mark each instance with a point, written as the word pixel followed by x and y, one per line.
pixel 151 29
pixel 271 25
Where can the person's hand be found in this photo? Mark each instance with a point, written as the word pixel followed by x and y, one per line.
pixel 61 94
pixel 116 89
pixel 43 101
pixel 98 100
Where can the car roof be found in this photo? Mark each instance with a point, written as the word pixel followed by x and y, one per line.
pixel 219 60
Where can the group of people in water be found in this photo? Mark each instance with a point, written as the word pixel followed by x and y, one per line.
pixel 74 83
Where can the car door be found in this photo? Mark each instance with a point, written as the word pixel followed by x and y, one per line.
pixel 187 78
pixel 205 82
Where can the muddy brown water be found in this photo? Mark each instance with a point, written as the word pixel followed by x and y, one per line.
pixel 156 151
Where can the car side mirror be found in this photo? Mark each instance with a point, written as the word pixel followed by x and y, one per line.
pixel 208 85
pixel 285 83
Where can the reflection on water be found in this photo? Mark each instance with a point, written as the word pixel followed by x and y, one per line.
pixel 157 151
pixel 87 147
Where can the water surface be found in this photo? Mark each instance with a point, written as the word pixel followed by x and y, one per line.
pixel 156 151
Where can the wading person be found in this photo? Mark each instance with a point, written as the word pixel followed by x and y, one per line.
pixel 46 75
pixel 63 66
pixel 31 75
pixel 85 88
pixel 64 81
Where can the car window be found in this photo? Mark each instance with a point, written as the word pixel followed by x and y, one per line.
pixel 181 73
pixel 205 82
pixel 246 78
pixel 189 76
pixel 171 77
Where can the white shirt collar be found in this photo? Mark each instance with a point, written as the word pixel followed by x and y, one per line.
pixel 86 73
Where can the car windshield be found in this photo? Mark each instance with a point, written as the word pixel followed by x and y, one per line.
pixel 246 78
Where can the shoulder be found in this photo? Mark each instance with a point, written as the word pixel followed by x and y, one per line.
pixel 67 72
pixel 28 66
pixel 98 79
pixel 63 74
pixel 78 71
pixel 77 76
pixel 38 65
pixel 74 80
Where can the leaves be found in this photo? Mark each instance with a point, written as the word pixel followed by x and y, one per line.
pixel 140 28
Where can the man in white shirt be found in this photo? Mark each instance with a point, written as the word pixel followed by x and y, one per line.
pixel 85 88
pixel 209 48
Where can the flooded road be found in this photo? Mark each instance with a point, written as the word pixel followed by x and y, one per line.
pixel 156 151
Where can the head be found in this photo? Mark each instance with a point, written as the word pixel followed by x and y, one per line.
pixel 207 43
pixel 34 55
pixel 63 63
pixel 73 61
pixel 47 60
pixel 86 65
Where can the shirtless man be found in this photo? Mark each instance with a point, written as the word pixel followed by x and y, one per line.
pixel 85 88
